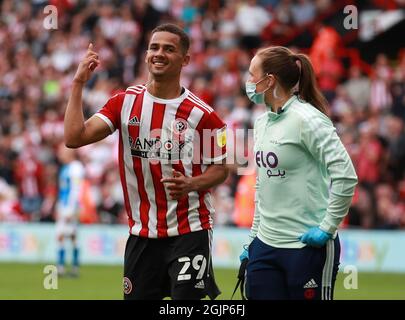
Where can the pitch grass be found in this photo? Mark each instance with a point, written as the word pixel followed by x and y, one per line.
pixel 25 281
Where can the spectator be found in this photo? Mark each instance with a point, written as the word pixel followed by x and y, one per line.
pixel 251 19
pixel 37 66
pixel 10 209
pixel 341 103
pixel 398 94
pixel 390 212
pixel 28 174
pixel 358 89
pixel 396 148
pixel 330 72
pixel 380 96
pixel 370 156
pixel 303 12
pixel 245 200
pixel 227 28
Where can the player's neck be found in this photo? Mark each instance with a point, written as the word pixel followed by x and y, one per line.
pixel 164 90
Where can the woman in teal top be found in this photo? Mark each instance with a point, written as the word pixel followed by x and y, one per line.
pixel 305 182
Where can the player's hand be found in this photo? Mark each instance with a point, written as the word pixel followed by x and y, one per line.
pixel 87 66
pixel 178 186
pixel 315 237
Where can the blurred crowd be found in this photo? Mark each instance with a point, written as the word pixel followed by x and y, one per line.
pixel 37 66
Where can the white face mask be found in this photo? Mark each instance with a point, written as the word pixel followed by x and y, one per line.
pixel 255 97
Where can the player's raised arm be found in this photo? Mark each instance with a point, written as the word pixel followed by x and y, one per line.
pixel 78 132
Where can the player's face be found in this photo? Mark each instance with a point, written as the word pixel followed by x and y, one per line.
pixel 165 57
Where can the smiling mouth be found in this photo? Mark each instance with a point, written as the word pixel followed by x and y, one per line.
pixel 159 63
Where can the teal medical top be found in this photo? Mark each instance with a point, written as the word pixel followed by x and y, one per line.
pixel 305 177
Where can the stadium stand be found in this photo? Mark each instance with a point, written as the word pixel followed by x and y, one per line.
pixel 363 83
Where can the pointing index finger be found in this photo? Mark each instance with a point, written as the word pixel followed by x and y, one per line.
pixel 90 50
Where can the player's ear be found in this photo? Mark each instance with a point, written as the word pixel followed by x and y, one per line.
pixel 186 60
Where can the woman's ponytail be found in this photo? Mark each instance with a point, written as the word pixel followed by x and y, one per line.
pixel 308 89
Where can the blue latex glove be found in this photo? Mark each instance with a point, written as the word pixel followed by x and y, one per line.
pixel 244 255
pixel 315 237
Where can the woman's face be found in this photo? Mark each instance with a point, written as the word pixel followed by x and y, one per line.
pixel 256 75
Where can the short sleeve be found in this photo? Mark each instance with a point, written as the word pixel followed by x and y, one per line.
pixel 110 112
pixel 213 139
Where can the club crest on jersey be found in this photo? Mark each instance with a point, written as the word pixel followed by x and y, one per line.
pixel 179 126
pixel 127 285
pixel 134 121
pixel 168 145
pixel 221 137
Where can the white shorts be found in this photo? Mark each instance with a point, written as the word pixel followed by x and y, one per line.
pixel 66 223
pixel 64 228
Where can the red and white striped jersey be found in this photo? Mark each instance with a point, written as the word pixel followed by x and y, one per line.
pixel 155 137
